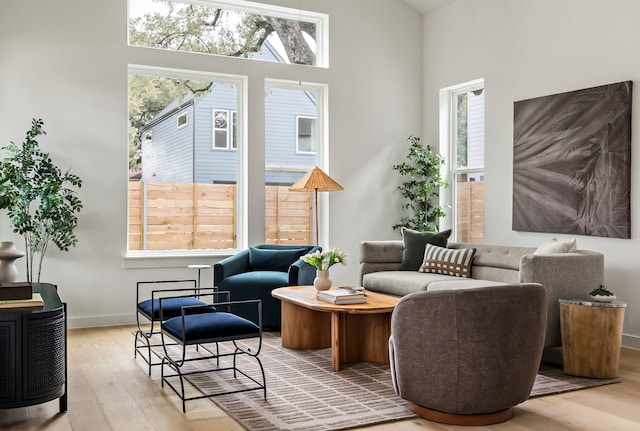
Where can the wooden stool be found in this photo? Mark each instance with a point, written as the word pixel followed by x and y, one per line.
pixel 591 337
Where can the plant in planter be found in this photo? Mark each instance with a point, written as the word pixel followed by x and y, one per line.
pixel 602 294
pixel 422 187
pixel 39 199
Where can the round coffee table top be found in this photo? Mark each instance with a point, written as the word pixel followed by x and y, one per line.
pixel 307 296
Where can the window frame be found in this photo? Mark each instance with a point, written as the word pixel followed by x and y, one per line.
pixel 448 149
pixel 232 116
pixel 241 213
pixel 321 21
pixel 186 121
pixel 298 118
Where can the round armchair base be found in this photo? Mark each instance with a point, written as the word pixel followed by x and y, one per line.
pixel 456 419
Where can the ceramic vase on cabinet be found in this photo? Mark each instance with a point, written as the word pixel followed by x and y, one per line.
pixel 322 280
pixel 8 255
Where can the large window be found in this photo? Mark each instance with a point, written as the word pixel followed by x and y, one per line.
pixel 183 193
pixel 231 28
pixel 464 154
pixel 189 180
pixel 294 132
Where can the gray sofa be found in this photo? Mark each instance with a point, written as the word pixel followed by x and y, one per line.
pixel 563 275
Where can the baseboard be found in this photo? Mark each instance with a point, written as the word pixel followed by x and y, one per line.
pixel 97 321
pixel 631 341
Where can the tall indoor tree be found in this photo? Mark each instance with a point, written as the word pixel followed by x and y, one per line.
pixel 39 198
pixel 421 188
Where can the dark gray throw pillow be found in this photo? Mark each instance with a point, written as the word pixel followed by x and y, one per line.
pixel 415 243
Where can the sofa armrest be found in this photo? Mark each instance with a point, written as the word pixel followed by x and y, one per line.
pixel 380 256
pixel 301 273
pixel 232 265
pixel 564 276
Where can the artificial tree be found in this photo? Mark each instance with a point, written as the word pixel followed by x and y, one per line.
pixel 38 197
pixel 422 188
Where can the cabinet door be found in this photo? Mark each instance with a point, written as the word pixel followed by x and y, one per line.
pixel 8 353
pixel 44 357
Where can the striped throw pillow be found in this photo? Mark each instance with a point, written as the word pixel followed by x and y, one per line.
pixel 448 261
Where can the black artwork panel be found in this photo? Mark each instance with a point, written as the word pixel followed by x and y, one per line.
pixel 572 162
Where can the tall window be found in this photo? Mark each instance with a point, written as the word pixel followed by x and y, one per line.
pixel 464 156
pixel 293 145
pixel 188 130
pixel 182 193
pixel 224 129
pixel 307 139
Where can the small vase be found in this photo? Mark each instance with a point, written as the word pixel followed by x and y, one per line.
pixel 8 255
pixel 322 280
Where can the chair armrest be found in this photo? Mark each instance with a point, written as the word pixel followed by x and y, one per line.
pixel 301 273
pixel 232 265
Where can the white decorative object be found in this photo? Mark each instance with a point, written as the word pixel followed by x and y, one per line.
pixel 322 280
pixel 8 255
pixel 603 298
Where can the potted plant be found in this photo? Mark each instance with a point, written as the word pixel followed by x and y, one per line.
pixel 39 198
pixel 422 187
pixel 602 294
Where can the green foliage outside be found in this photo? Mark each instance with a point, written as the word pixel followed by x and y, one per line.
pixel 422 187
pixel 39 199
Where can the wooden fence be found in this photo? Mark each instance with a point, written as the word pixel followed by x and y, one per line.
pixel 470 211
pixel 177 216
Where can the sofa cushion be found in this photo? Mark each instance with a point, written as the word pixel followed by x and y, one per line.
pixel 414 245
pixel 400 283
pixel 453 283
pixel 554 246
pixel 273 260
pixel 446 261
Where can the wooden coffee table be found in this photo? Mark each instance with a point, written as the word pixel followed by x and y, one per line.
pixel 355 332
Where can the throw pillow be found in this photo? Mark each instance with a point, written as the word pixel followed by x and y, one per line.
pixel 554 246
pixel 264 259
pixel 448 261
pixel 414 245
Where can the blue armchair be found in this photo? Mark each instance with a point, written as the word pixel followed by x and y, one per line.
pixel 255 272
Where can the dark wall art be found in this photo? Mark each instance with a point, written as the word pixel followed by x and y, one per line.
pixel 572 162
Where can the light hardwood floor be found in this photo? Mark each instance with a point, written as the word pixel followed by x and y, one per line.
pixel 110 390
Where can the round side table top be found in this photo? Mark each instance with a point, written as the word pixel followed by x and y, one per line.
pixel 613 304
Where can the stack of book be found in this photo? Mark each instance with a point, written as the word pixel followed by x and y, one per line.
pixel 343 296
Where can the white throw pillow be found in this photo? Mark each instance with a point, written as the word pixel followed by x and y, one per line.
pixel 554 246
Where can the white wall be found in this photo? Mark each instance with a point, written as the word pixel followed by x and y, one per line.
pixel 526 49
pixel 66 62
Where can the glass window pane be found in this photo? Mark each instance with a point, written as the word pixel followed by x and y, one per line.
pixel 290 151
pixel 181 193
pixel 469 129
pixel 469 189
pixel 265 32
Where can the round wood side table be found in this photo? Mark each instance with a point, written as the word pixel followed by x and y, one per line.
pixel 591 337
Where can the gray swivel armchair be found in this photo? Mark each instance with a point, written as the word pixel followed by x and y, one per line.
pixel 467 356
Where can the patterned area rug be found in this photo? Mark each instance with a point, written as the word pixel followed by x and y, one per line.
pixel 304 394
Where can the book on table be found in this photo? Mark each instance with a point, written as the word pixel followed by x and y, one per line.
pixel 343 296
pixel 34 301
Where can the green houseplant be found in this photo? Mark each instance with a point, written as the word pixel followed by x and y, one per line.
pixel 422 187
pixel 39 198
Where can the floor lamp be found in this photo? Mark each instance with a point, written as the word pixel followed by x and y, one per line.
pixel 315 181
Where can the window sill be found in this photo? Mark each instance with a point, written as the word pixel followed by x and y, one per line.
pixel 169 259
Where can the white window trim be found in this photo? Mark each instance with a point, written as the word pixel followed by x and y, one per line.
pixel 322 131
pixel 183 114
pixel 448 150
pixel 242 217
pixel 321 20
pixel 298 117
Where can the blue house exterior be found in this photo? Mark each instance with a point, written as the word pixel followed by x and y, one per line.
pixel 192 140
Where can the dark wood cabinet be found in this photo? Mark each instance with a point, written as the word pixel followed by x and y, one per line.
pixel 33 346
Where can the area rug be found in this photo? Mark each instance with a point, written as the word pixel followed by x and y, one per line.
pixel 304 394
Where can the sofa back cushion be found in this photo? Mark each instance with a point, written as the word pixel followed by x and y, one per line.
pixel 262 259
pixel 414 245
